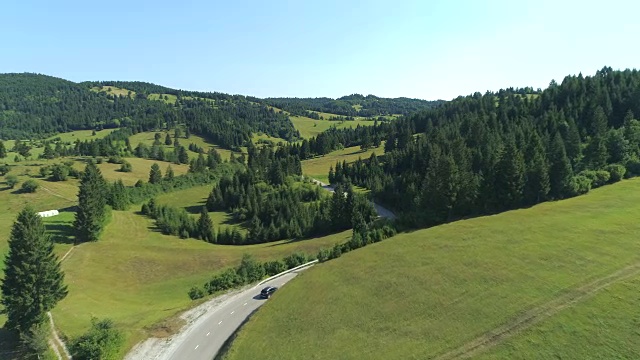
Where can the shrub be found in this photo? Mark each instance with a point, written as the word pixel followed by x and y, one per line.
pixel 274 267
pixel 597 177
pixel 12 181
pixel 98 160
pixel 126 166
pixel 115 160
pixel 250 270
pixel 196 293
pixel 633 167
pixel 616 172
pixel 295 259
pixel 29 186
pixel 580 184
pixel 4 169
pixel 59 172
pixel 103 341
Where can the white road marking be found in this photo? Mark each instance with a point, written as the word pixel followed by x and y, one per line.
pixel 196 347
pixel 233 312
pixel 208 333
pixel 245 304
pixel 220 323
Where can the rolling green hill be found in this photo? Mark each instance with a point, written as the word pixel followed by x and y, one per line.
pixel 554 281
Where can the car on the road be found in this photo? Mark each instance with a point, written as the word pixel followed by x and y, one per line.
pixel 267 292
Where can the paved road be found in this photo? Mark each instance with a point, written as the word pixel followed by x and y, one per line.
pixel 382 211
pixel 206 339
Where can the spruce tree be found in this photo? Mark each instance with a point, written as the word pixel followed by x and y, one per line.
pixel 509 180
pixel 560 172
pixel 118 198
pixel 537 176
pixel 167 140
pixel 168 174
pixel 155 174
pixel 596 153
pixel 92 199
pixel 3 150
pixel 205 226
pixel 33 282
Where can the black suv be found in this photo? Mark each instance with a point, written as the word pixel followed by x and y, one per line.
pixel 267 292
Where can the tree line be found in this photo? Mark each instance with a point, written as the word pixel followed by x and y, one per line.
pixel 488 153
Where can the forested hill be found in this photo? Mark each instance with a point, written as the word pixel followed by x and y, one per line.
pixel 352 105
pixel 483 154
pixel 33 105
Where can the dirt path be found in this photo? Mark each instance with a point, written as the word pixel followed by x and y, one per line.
pixel 535 315
pixel 58 195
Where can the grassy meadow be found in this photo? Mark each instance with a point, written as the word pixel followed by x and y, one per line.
pixel 558 280
pixel 149 137
pixel 193 200
pixel 309 127
pixel 134 275
pixel 318 167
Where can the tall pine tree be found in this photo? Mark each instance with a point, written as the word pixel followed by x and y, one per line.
pixel 509 178
pixel 3 150
pixel 33 283
pixel 92 200
pixel 537 175
pixel 560 172
pixel 155 174
pixel 205 226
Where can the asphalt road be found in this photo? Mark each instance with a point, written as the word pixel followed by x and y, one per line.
pixel 206 339
pixel 382 211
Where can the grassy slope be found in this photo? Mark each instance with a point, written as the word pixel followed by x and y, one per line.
pixel 309 127
pixel 148 138
pixel 193 199
pixel 137 276
pixel 318 167
pixel 425 293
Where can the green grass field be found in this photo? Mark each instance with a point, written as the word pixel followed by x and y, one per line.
pixel 113 90
pixel 318 168
pixel 193 199
pixel 134 274
pixel 309 127
pixel 552 281
pixel 148 138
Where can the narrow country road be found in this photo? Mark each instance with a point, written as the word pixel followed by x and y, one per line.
pixel 207 337
pixel 382 211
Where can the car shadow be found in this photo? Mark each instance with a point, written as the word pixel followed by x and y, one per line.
pixel 258 297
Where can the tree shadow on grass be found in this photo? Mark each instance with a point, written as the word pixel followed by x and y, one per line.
pixel 9 346
pixel 61 231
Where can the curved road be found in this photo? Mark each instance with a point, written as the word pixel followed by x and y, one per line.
pixel 206 338
pixel 382 211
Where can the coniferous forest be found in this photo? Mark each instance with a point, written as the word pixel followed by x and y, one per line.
pixel 487 153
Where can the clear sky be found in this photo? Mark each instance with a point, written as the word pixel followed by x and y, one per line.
pixel 422 49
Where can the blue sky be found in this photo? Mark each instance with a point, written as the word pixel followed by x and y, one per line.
pixel 423 49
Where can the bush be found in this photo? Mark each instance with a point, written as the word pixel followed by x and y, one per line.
pixel 633 167
pixel 115 160
pixel 12 181
pixel 98 160
pixel 616 172
pixel 580 184
pixel 295 259
pixel 29 186
pixel 4 169
pixel 59 172
pixel 126 166
pixel 196 293
pixel 324 255
pixel 597 177
pixel 274 267
pixel 250 270
pixel 103 341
